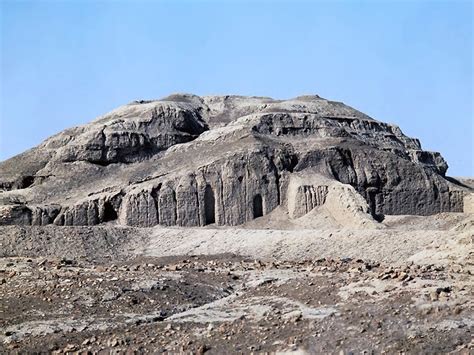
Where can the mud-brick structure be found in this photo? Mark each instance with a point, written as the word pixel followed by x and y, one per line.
pixel 187 160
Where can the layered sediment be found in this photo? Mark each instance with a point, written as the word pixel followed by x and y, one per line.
pixel 193 161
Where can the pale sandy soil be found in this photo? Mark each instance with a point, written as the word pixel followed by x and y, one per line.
pixel 310 285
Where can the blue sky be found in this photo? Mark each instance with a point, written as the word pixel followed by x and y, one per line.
pixel 406 62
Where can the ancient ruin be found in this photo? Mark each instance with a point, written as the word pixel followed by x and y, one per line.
pixel 193 161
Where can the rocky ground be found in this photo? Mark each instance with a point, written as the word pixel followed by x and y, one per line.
pixel 226 304
pixel 231 224
pixel 404 287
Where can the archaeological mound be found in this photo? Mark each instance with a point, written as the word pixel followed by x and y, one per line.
pixel 189 161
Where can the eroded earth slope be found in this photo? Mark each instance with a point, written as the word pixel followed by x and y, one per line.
pixel 192 161
pixel 229 224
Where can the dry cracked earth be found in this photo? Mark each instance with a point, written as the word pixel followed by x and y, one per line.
pixel 220 304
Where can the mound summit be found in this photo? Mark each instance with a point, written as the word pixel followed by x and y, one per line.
pixel 192 161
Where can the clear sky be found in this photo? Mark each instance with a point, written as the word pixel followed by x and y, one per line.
pixel 406 62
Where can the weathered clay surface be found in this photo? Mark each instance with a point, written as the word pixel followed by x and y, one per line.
pixel 192 161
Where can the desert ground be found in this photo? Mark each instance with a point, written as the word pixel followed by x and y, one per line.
pixel 271 286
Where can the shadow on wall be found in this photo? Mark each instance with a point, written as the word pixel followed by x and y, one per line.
pixel 257 206
pixel 109 212
pixel 209 205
